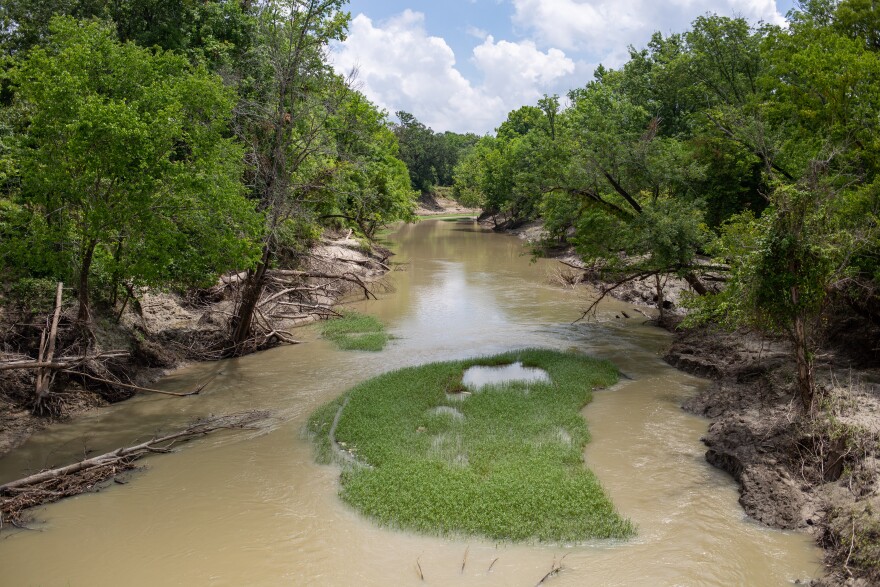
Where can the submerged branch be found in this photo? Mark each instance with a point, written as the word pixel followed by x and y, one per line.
pixel 54 484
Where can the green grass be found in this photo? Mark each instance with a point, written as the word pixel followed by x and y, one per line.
pixel 356 332
pixel 510 469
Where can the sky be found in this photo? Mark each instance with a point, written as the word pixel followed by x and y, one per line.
pixel 462 65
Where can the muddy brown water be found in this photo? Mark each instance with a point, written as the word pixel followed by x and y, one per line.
pixel 252 508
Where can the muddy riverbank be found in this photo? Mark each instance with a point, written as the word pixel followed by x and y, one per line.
pixel 819 474
pixel 254 508
pixel 156 332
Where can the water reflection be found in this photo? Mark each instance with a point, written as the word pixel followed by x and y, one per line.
pixel 252 507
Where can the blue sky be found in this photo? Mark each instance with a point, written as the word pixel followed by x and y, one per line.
pixel 462 65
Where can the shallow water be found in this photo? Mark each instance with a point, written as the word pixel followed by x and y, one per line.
pixel 481 376
pixel 252 508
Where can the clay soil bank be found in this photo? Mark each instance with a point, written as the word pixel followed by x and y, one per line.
pixel 819 474
pixel 161 331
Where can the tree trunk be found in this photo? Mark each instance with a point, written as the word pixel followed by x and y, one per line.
pixel 804 366
pixel 47 353
pixel 250 297
pixel 695 283
pixel 84 313
pixel 802 355
pixel 658 284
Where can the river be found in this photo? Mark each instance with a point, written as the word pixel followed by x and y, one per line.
pixel 252 507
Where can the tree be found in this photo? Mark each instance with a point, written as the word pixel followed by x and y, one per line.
pixel 430 157
pixel 416 150
pixel 212 31
pixel 371 186
pixel 815 243
pixel 507 175
pixel 289 94
pixel 125 165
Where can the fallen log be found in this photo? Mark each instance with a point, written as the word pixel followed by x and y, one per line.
pixel 290 290
pixel 54 484
pixel 347 276
pixel 61 362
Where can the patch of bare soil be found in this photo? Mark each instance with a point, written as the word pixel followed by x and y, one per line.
pixel 142 339
pixel 820 473
pixel 437 205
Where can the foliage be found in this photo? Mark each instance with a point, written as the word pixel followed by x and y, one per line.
pixel 429 157
pixel 756 143
pixel 125 168
pixel 510 469
pixel 356 332
pixel 33 295
pixel 372 186
pixel 213 31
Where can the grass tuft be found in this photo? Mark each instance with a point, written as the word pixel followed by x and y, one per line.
pixel 356 332
pixel 504 463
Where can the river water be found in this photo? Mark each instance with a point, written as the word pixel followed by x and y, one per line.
pixel 252 507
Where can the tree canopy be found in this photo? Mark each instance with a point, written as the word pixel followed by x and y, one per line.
pixel 126 170
pixel 753 144
pixel 146 142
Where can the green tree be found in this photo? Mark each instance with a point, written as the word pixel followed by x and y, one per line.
pixel 126 170
pixel 289 96
pixel 812 122
pixel 371 186
pixel 213 31
pixel 416 150
pixel 430 157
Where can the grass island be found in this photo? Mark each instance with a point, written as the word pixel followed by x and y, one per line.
pixel 421 451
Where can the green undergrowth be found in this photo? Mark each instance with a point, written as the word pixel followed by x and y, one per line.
pixel 504 462
pixel 356 332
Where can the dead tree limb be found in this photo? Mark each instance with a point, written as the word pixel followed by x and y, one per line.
pixel 47 352
pixel 572 265
pixel 62 362
pixel 555 569
pixel 347 276
pixel 197 390
pixel 291 290
pixel 76 478
pixel 282 336
pixel 607 290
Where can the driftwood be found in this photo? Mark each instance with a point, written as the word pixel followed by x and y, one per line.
pixel 47 352
pixel 54 484
pixel 555 569
pixel 62 363
pixel 196 391
pixel 606 290
pixel 68 365
pixel 347 276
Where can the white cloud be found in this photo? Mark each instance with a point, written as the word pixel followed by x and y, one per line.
pixel 401 67
pixel 519 71
pixel 604 28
